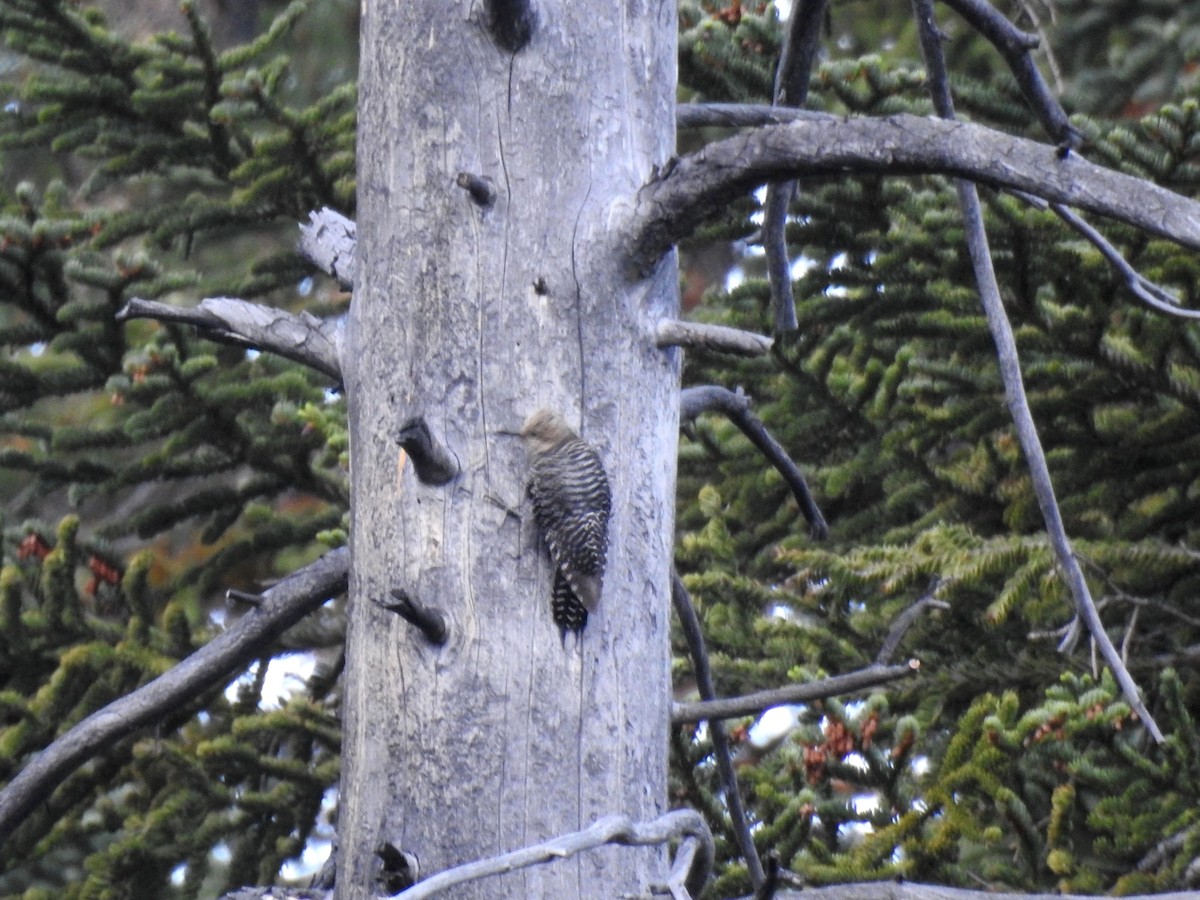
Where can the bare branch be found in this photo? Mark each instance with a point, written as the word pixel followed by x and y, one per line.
pixel 905 620
pixel 429 621
pixel 892 890
pixel 738 115
pixel 749 704
pixel 329 241
pixel 799 52
pixel 736 405
pixel 277 893
pixel 680 823
pixel 743 115
pixel 302 338
pixel 1014 45
pixel 717 338
pixel 1153 295
pixel 688 861
pixel 692 632
pixel 283 605
pixel 1014 384
pixel 431 459
pixel 779 264
pixel 792 76
pixel 703 183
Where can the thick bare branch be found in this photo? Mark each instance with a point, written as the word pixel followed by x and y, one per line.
pixel 743 115
pixel 717 338
pixel 749 704
pixel 282 606
pixel 303 338
pixel 329 240
pixel 680 823
pixel 703 183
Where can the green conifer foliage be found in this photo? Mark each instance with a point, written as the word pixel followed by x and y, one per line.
pixel 162 169
pixel 145 469
pixel 1005 763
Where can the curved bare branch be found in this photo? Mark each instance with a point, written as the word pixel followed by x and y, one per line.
pixel 282 606
pixel 703 183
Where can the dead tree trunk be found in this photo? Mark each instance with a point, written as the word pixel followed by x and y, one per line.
pixel 491 282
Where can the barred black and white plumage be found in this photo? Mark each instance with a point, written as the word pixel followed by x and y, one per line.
pixel 571 504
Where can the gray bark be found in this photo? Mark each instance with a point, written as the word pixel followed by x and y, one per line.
pixel 470 317
pixel 702 183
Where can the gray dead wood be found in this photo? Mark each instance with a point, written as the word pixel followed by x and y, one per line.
pixel 300 337
pixel 702 183
pixel 328 240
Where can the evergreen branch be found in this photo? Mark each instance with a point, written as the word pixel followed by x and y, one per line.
pixel 736 405
pixel 1014 386
pixel 694 634
pixel 703 183
pixel 283 605
pixel 620 830
pixel 750 704
pixel 328 241
pixel 302 338
pixel 791 89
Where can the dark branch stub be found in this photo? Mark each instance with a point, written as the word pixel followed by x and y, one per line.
pixel 243 597
pixel 398 870
pixel 429 621
pixel 481 189
pixel 511 22
pixel 431 460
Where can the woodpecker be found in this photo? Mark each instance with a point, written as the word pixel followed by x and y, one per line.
pixel 571 504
